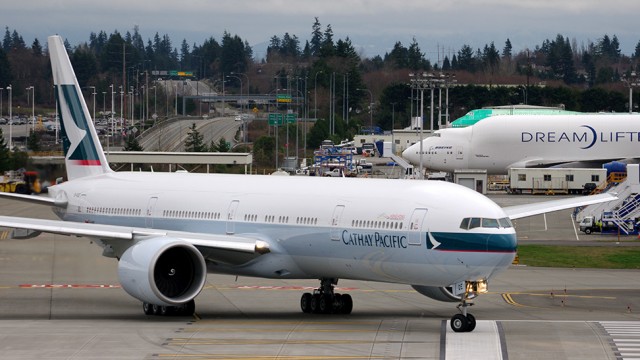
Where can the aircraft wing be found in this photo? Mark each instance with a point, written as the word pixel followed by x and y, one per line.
pixel 520 211
pixel 229 247
pixel 35 199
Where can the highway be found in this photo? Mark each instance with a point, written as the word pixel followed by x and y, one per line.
pixel 60 299
pixel 170 136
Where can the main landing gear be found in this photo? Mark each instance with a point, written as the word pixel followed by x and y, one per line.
pixel 465 322
pixel 186 309
pixel 325 301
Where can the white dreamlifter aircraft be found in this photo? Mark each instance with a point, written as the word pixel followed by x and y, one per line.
pixel 501 142
pixel 168 230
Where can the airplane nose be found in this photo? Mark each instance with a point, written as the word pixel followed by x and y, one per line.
pixel 502 243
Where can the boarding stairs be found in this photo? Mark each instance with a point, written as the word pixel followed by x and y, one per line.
pixel 407 168
pixel 624 211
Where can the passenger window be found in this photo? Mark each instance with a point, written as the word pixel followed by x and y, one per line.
pixel 489 223
pixel 474 223
pixel 464 224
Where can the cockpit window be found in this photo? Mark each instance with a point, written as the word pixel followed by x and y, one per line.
pixel 488 223
pixel 505 222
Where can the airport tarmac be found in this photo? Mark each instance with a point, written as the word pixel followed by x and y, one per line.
pixel 60 299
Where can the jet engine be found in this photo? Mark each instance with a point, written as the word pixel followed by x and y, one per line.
pixel 437 293
pixel 162 271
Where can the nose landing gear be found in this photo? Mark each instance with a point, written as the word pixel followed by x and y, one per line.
pixel 465 322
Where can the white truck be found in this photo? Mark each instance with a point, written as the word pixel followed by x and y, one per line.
pixel 555 180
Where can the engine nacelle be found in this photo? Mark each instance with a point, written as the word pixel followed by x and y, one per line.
pixel 162 271
pixel 437 293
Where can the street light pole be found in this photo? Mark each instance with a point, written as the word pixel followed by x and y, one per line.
pixel 242 117
pixel 632 81
pixel 33 115
pixel 94 103
pixel 10 118
pixel 315 95
pixel 370 107
pixel 393 126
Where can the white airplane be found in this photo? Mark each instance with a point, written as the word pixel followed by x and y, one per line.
pixel 501 142
pixel 168 230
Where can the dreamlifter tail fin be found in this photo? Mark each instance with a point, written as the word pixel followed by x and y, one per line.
pixel 82 150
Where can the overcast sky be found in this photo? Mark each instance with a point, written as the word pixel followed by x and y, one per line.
pixel 372 25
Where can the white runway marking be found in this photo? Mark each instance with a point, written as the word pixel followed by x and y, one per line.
pixel 485 340
pixel 626 338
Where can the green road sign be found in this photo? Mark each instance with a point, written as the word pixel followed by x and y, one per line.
pixel 275 119
pixel 290 118
pixel 283 98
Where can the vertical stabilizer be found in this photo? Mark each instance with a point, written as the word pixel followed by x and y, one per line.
pixel 82 150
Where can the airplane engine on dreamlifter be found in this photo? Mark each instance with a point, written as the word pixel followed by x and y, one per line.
pixel 162 271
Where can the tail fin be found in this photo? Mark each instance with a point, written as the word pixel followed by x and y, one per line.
pixel 82 150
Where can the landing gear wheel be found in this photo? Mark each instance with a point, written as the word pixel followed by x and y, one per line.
pixel 315 303
pixel 459 323
pixel 305 303
pixel 347 304
pixel 189 308
pixel 325 306
pixel 155 309
pixel 165 310
pixel 325 301
pixel 472 322
pixel 147 308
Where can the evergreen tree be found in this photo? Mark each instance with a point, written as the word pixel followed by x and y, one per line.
pixel 506 51
pixel 5 68
pixel 636 53
pixel 194 141
pixel 5 155
pixel 17 43
pixel 264 150
pixel 132 144
pixel 6 42
pixel 221 146
pixel 33 141
pixel 327 48
pixel 316 38
pixel 398 58
pixel 36 48
pixel 415 58
pixel 465 59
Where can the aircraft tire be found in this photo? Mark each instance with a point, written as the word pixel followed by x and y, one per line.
pixel 325 305
pixel 459 323
pixel 315 303
pixel 189 308
pixel 147 308
pixel 347 304
pixel 305 303
pixel 472 322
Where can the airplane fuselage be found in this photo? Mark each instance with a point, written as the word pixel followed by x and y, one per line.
pixel 500 142
pixel 373 229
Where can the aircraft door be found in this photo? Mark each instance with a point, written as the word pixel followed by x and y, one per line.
pixel 414 234
pixel 149 214
pixel 459 153
pixel 335 221
pixel 231 216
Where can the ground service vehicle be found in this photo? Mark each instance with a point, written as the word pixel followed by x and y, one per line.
pixel 20 182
